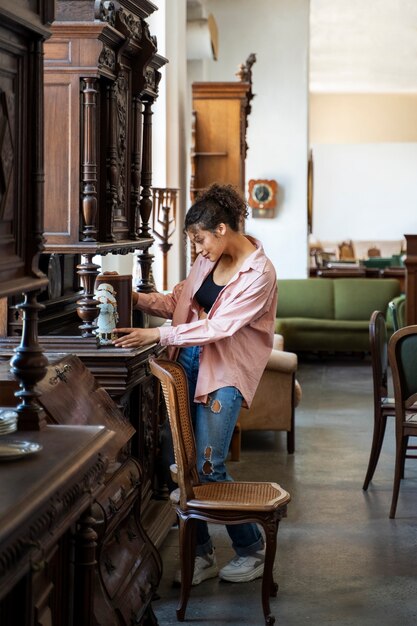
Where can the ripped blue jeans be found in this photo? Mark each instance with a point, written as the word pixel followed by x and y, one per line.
pixel 214 423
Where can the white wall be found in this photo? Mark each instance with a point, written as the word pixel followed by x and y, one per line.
pixel 365 160
pixel 364 191
pixel 170 154
pixel 277 31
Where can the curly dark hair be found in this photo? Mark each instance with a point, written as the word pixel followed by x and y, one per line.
pixel 215 205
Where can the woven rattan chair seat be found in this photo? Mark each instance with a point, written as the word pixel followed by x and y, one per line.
pixel 239 495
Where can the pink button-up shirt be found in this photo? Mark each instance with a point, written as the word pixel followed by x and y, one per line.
pixel 236 336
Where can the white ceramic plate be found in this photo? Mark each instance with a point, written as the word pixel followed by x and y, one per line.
pixel 12 449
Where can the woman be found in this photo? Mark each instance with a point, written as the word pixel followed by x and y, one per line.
pixel 223 318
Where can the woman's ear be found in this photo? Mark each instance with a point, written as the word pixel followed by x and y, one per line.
pixel 221 229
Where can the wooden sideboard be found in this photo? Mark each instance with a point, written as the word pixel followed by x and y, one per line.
pixel 45 514
pixel 361 272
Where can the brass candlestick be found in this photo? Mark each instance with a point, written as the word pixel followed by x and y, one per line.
pixel 164 222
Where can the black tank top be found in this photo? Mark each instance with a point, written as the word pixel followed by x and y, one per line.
pixel 208 293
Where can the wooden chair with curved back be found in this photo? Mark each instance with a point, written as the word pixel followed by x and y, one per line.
pixel 383 405
pixel 402 354
pixel 217 502
pixel 394 313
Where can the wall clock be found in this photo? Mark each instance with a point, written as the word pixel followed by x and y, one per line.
pixel 262 197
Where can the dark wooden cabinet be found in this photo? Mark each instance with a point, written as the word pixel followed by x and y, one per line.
pixel 101 80
pixel 78 521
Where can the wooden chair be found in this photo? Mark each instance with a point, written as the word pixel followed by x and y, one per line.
pixel 383 405
pixel 402 354
pixel 219 503
pixel 374 251
pixel 397 308
pixel 346 251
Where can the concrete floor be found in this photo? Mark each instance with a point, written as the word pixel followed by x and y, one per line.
pixel 340 559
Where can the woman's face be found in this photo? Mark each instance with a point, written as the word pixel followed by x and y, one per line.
pixel 210 245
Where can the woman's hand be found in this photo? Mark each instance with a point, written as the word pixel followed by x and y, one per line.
pixel 136 337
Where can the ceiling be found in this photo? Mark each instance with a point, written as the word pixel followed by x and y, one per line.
pixel 363 46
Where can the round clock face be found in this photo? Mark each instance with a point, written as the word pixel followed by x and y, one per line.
pixel 262 192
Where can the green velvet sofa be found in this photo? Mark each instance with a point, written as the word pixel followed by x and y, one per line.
pixel 331 314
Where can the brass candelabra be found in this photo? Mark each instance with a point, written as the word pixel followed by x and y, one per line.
pixel 164 222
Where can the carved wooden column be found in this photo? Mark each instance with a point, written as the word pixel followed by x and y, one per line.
pixel 145 206
pixel 85 564
pixel 37 201
pixel 411 279
pixel 89 159
pixel 87 270
pixel 87 306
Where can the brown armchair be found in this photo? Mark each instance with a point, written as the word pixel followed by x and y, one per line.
pixel 273 406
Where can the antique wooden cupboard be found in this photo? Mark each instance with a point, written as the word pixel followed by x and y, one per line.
pixel 220 119
pixel 101 75
pixel 46 543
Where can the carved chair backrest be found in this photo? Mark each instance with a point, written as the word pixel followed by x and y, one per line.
pixel 373 252
pixel 379 355
pixel 346 251
pixel 402 353
pixel 175 389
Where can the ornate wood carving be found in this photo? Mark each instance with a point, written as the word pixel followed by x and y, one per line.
pixel 85 564
pixel 136 165
pixel 61 484
pixel 119 75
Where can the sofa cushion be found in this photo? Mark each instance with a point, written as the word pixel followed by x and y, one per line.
pixel 300 297
pixel 315 325
pixel 358 298
pixel 303 334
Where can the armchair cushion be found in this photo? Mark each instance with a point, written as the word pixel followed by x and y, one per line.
pixel 276 397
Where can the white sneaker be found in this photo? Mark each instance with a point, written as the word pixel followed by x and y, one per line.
pixel 204 567
pixel 243 569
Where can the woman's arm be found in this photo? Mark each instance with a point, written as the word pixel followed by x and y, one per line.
pixel 228 318
pixel 159 304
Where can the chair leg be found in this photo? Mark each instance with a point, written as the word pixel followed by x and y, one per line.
pixel 269 587
pixel 291 441
pixel 291 432
pixel 187 557
pixel 235 443
pixel 399 464
pixel 405 455
pixel 380 423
